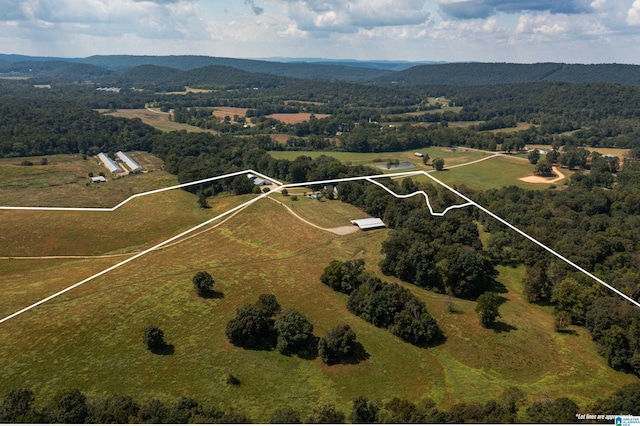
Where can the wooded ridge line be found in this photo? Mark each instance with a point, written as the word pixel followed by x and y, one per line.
pixel 368 72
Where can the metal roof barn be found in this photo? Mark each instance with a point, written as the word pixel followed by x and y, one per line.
pixel 369 223
pixel 108 163
pixel 135 167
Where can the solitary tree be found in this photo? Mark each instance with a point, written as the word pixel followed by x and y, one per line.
pixel 425 159
pixel 203 283
pixel 534 156
pixel 438 164
pixel 153 338
pixel 487 308
pixel 338 343
pixel 202 200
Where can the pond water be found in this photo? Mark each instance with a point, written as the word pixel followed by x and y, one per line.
pixel 399 166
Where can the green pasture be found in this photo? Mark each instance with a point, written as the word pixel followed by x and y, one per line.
pixel 91 337
pixel 495 172
pixel 451 157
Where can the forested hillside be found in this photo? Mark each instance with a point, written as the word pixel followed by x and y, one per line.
pixel 369 72
pixel 469 74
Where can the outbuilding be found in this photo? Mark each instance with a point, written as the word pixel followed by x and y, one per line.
pixel 133 166
pixel 369 223
pixel 98 179
pixel 109 163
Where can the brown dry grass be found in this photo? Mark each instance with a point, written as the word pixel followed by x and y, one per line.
pixel 294 118
pixel 223 111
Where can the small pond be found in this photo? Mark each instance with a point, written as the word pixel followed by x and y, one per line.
pixel 399 166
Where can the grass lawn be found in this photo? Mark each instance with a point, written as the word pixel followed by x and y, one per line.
pixel 91 338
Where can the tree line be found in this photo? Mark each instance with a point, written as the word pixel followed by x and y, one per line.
pixel 20 406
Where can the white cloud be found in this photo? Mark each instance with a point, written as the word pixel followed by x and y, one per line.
pixel 633 15
pixel 349 16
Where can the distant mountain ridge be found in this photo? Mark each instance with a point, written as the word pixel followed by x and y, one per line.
pixel 266 73
pixel 480 73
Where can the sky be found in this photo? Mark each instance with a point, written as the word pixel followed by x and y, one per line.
pixel 522 31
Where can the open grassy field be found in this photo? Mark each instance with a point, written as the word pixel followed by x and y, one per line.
pixel 459 156
pixel 618 152
pixel 62 182
pixel 495 172
pixel 90 338
pixel 324 213
pixel 156 118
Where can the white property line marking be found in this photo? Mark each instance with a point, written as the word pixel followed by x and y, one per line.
pixel 142 253
pixel 293 185
pixel 142 194
pixel 426 197
pixel 530 238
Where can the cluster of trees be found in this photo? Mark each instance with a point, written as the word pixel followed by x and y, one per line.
pixel 383 304
pixel 265 326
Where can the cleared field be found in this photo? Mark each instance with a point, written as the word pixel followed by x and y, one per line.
pixel 294 118
pixel 223 111
pixel 618 152
pixel 144 221
pixel 496 172
pixel 190 90
pixel 324 213
pixel 91 337
pixel 156 118
pixel 458 156
pixel 62 182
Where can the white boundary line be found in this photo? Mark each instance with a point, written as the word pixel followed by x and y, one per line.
pixel 469 202
pixel 141 194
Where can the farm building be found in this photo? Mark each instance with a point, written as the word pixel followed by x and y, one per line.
pixel 108 163
pixel 258 181
pixel 135 167
pixel 369 223
pixel 98 179
pixel 418 154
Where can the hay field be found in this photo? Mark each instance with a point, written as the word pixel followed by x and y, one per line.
pixel 90 338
